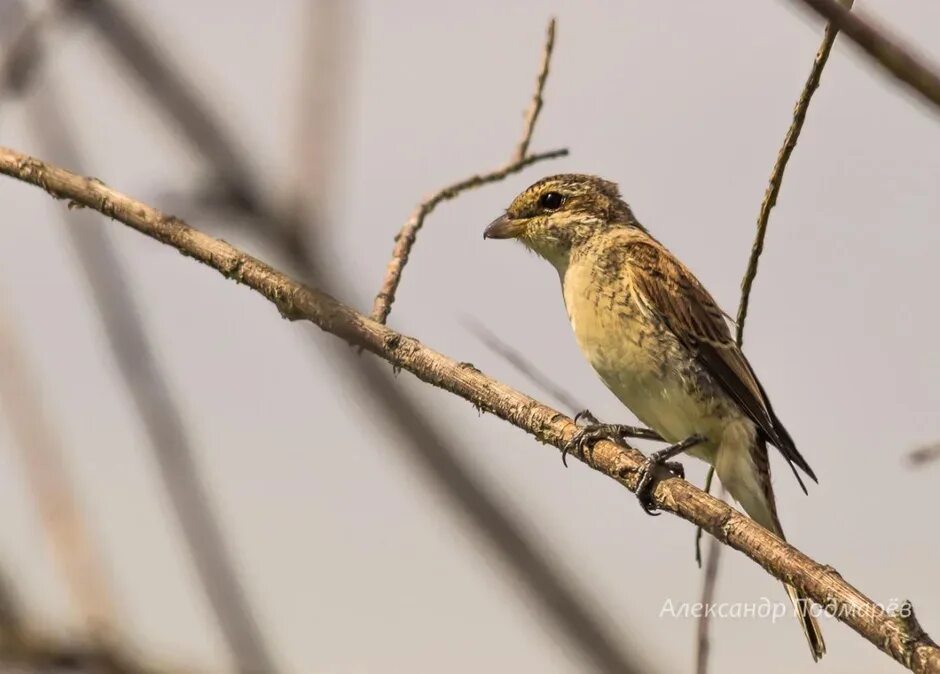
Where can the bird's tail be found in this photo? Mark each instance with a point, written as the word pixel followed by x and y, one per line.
pixel 749 484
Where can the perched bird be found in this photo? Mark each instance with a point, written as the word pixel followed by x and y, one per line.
pixel 659 342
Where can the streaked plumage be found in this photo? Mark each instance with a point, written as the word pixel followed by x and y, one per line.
pixel 657 338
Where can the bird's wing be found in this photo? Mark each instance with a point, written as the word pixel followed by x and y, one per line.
pixel 666 288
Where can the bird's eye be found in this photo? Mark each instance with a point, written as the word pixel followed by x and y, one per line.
pixel 551 201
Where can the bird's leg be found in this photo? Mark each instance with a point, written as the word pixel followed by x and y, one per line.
pixel 644 488
pixel 591 430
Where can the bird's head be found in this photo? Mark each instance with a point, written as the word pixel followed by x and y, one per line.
pixel 558 213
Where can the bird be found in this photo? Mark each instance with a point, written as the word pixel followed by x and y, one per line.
pixel 660 343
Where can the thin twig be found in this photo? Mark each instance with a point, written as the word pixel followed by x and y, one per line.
pixel 519 160
pixel 897 634
pixel 158 411
pixel 535 107
pixel 886 50
pixel 922 456
pixel 776 176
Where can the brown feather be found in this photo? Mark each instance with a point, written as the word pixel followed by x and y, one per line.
pixel 666 287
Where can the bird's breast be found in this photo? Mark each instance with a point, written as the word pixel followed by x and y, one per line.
pixel 637 357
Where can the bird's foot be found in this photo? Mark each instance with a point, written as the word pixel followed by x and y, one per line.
pixel 647 472
pixel 591 430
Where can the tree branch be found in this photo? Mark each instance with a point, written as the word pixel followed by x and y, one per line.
pixel 898 634
pixel 520 159
pixel 776 176
pixel 886 50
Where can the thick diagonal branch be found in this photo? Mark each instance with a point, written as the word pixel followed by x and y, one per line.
pixel 898 634
pixel 886 50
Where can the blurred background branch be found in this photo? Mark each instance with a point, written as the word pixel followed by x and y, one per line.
pixel 886 50
pixel 158 412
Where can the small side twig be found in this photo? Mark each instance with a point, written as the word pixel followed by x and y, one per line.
pixel 776 177
pixel 535 107
pixel 887 51
pixel 520 159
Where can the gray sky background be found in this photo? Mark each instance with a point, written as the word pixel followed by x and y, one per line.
pixel 354 563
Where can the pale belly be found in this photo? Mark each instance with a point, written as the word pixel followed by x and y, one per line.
pixel 648 370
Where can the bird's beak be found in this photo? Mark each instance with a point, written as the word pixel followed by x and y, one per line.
pixel 504 227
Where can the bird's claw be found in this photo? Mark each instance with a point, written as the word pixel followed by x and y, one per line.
pixel 582 442
pixel 647 472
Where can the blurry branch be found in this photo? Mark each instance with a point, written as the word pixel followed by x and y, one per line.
pixel 147 64
pixel 709 584
pixel 520 159
pixel 898 634
pixel 158 412
pixel 433 449
pixel 776 176
pixel 19 33
pixel 525 366
pixel 325 76
pixel 25 653
pixel 23 650
pixel 923 455
pixel 886 50
pixel 51 488
pixel 770 200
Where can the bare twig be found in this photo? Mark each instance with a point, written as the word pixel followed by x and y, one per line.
pixel 405 240
pixel 776 176
pixel 899 635
pixel 535 107
pixel 157 410
pixel 51 487
pixel 923 455
pixel 886 50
